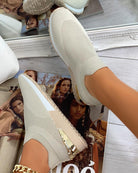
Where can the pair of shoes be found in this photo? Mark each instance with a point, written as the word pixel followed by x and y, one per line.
pixel 9 64
pixel 43 120
pixel 37 7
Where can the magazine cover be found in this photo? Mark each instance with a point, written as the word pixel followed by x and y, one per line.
pixel 90 125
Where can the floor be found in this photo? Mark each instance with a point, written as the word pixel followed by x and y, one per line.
pixel 121 152
pixel 116 12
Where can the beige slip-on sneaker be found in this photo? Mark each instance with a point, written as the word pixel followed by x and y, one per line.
pixel 45 123
pixel 8 62
pixel 73 45
pixel 75 6
pixel 36 7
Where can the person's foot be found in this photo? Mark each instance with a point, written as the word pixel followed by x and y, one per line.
pixel 75 6
pixel 37 7
pixel 8 62
pixel 45 123
pixel 75 48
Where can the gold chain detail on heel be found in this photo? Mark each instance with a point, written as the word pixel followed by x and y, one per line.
pixel 71 148
pixel 22 169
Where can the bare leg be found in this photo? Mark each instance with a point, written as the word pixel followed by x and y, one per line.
pixel 117 96
pixel 35 156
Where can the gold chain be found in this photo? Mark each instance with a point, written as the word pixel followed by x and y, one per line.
pixel 23 169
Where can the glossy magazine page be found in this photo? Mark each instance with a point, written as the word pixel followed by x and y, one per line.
pixel 89 121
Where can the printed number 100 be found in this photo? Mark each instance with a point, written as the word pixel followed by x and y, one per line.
pixel 76 170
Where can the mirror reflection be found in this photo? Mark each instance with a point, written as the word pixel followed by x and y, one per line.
pixel 15 22
pixel 31 17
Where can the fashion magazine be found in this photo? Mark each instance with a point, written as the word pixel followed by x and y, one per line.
pixel 90 124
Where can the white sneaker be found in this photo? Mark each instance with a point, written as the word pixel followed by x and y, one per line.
pixel 8 62
pixel 45 123
pixel 37 7
pixel 10 27
pixel 75 48
pixel 75 6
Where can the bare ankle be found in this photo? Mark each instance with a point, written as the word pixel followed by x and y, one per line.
pixel 93 81
pixel 35 159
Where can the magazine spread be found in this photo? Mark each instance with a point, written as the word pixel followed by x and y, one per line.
pixel 89 121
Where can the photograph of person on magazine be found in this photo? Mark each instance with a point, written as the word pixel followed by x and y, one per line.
pixel 79 116
pixel 32 74
pixel 17 106
pixel 29 21
pixel 12 114
pixel 61 90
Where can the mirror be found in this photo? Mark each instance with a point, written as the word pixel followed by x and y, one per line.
pixel 14 22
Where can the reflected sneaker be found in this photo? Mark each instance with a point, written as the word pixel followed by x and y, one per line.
pixel 8 62
pixel 37 7
pixel 75 6
pixel 75 48
pixel 45 123
pixel 9 27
